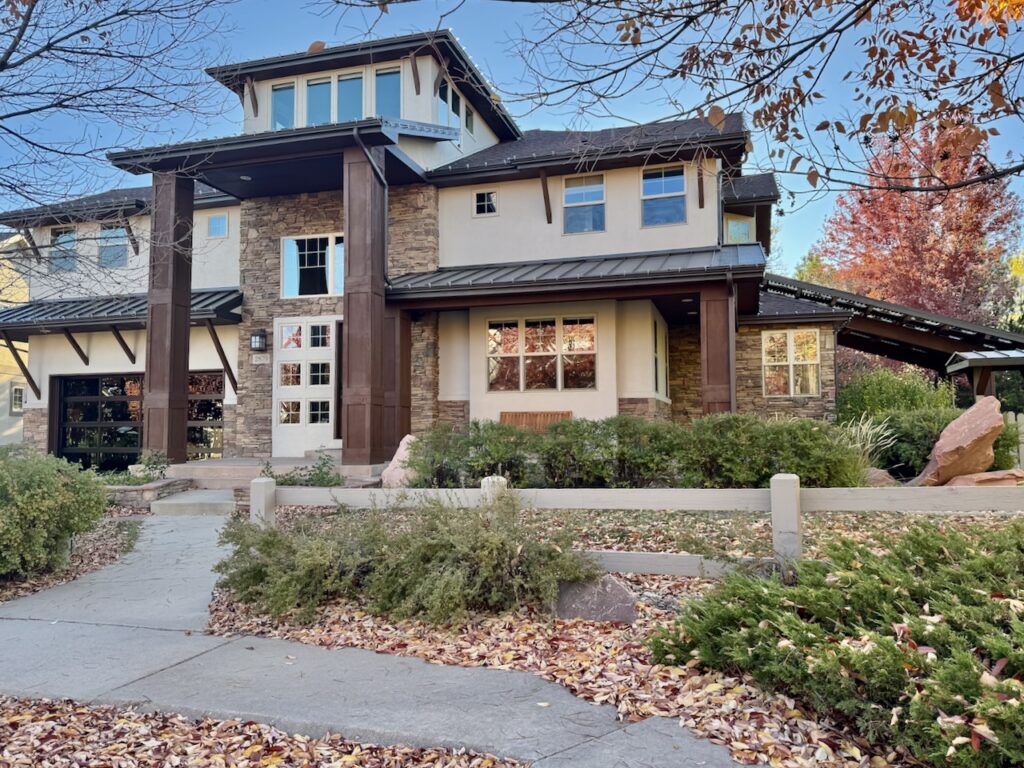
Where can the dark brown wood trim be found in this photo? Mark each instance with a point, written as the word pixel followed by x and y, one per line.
pixel 547 195
pixel 53 416
pixel 733 325
pixel 982 382
pixel 415 72
pixel 700 184
pixel 76 346
pixel 32 245
pixel 441 74
pixel 716 326
pixel 228 373
pixel 21 365
pixel 893 332
pixel 250 87
pixel 763 227
pixel 123 344
pixel 131 235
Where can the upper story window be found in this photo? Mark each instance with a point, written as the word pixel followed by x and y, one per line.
pixel 738 229
pixel 449 107
pixel 350 99
pixel 663 197
pixel 442 103
pixel 318 101
pixel 282 107
pixel 470 119
pixel 217 225
pixel 388 93
pixel 551 353
pixel 313 266
pixel 63 253
pixel 485 203
pixel 113 251
pixel 791 363
pixel 583 204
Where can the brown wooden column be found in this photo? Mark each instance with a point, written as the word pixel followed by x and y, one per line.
pixel 165 403
pixel 363 332
pixel 717 348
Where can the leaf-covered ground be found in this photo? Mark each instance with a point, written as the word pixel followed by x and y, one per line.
pixel 597 661
pixel 55 734
pixel 98 548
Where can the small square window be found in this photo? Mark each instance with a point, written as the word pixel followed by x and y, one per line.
pixel 485 204
pixel 319 411
pixel 291 375
pixel 319 374
pixel 289 412
pixel 217 225
pixel 319 336
pixel 291 337
pixel 17 399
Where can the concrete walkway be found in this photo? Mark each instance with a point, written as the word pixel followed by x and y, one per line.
pixel 132 634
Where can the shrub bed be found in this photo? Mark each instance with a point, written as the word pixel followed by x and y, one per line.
pixel 44 502
pixel 443 564
pixel 882 391
pixel 721 451
pixel 921 645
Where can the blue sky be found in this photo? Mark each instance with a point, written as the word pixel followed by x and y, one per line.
pixel 257 28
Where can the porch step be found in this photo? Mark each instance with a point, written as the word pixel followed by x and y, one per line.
pixel 197 502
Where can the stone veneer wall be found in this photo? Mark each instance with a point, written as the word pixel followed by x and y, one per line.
pixel 684 385
pixel 650 408
pixel 412 247
pixel 230 438
pixel 454 412
pixel 750 384
pixel 425 377
pixel 36 428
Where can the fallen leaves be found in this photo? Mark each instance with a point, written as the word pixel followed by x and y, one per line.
pixel 46 734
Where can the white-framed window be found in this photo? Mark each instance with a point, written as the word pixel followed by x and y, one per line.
pixel 217 225
pixel 660 343
pixel 485 203
pixel 313 266
pixel 17 400
pixel 320 374
pixel 350 98
pixel 387 89
pixel 289 412
pixel 63 250
pixel 449 107
pixel 291 336
pixel 305 388
pixel 542 353
pixel 319 411
pixel 583 204
pixel 319 335
pixel 663 196
pixel 290 375
pixel 318 101
pixel 282 106
pixel 791 363
pixel 470 119
pixel 113 246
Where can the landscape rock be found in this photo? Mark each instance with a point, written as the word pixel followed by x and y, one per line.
pixel 880 478
pixel 1009 477
pixel 396 474
pixel 965 445
pixel 604 599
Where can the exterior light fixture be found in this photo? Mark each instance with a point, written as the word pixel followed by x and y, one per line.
pixel 243 177
pixel 258 340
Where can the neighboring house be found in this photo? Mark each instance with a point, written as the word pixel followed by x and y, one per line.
pixel 382 248
pixel 13 291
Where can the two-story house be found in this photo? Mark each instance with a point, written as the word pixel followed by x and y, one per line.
pixel 382 248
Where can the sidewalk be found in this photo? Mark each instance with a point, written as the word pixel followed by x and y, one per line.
pixel 132 634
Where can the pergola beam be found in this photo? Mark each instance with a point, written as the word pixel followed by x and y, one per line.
pixel 223 357
pixel 77 347
pixel 21 365
pixel 123 344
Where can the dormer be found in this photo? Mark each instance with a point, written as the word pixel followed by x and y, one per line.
pixel 424 84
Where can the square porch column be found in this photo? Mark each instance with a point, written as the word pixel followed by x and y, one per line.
pixel 165 401
pixel 718 348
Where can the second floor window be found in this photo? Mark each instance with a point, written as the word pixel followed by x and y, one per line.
pixel 318 102
pixel 485 204
pixel 113 253
pixel 313 266
pixel 63 253
pixel 282 107
pixel 583 204
pixel 350 99
pixel 388 93
pixel 664 197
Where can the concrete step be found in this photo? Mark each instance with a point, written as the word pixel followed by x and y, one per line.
pixel 196 502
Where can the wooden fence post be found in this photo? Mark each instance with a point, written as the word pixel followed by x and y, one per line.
pixel 787 529
pixel 263 502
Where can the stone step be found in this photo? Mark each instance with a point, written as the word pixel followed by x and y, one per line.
pixel 197 502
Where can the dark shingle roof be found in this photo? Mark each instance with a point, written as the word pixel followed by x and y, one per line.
pixel 775 307
pixel 759 187
pixel 114 202
pixel 538 146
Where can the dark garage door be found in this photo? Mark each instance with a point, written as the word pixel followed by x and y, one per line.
pixel 99 419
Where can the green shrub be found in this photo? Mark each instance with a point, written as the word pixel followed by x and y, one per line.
pixel 916 433
pixel 445 457
pixel 442 565
pixel 320 474
pixel 921 646
pixel 44 502
pixel 884 390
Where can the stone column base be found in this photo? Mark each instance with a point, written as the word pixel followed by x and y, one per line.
pixel 36 428
pixel 650 408
pixel 455 412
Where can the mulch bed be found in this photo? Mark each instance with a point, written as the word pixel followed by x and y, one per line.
pixel 100 547
pixel 62 733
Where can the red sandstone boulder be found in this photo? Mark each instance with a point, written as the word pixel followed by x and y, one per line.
pixel 965 446
pixel 987 479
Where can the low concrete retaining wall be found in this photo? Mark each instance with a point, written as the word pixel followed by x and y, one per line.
pixel 141 496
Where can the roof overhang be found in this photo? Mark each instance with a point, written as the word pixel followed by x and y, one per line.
pixel 441 44
pixel 119 210
pixel 995 360
pixel 284 162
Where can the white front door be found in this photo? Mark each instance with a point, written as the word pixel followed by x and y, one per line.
pixel 305 382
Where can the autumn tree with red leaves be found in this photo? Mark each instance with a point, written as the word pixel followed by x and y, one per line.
pixel 941 252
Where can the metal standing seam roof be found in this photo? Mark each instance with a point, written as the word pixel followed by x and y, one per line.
pixel 569 273
pixel 56 314
pixel 987 358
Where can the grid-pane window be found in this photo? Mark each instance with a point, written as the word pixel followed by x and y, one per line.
pixel 319 411
pixel 319 335
pixel 664 197
pixel 113 252
pixel 319 374
pixel 17 399
pixel 791 363
pixel 63 250
pixel 542 353
pixel 583 204
pixel 289 412
pixel 388 86
pixel 485 203
pixel 291 336
pixel 291 375
pixel 350 99
pixel 312 266
pixel 282 107
pixel 318 102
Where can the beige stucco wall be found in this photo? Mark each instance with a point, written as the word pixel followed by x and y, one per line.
pixel 214 260
pixel 635 350
pixel 520 232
